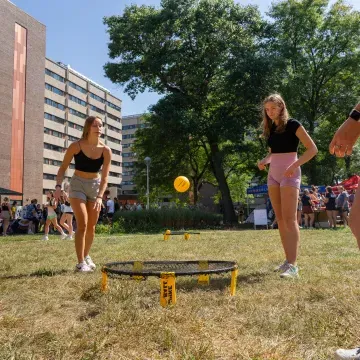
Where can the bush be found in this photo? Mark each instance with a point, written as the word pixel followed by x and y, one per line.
pixel 116 228
pixel 155 220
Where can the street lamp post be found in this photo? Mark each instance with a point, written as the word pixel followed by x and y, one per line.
pixel 147 162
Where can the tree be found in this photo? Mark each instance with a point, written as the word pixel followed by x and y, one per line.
pixel 317 47
pixel 206 54
pixel 166 140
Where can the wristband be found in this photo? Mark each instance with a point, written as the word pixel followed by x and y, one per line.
pixel 100 197
pixel 355 115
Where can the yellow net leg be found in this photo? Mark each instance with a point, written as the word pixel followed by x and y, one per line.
pixel 204 279
pixel 234 275
pixel 104 282
pixel 186 236
pixel 167 289
pixel 137 267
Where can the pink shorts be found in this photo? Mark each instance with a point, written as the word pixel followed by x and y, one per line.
pixel 278 165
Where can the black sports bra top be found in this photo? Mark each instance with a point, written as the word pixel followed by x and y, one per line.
pixel 86 164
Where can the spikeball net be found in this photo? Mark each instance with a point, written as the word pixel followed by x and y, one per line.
pixel 167 271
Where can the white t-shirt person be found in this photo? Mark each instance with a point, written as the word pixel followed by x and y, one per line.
pixel 110 205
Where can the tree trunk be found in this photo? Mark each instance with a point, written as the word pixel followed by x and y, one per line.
pixel 195 190
pixel 228 207
pixel 347 166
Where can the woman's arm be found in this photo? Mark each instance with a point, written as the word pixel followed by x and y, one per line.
pixel 307 141
pixel 72 149
pixel 105 171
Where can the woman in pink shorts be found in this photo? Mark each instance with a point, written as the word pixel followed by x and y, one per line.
pixel 283 135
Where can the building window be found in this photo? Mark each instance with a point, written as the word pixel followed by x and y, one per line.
pixel 114 140
pixel 54 89
pixel 112 128
pixel 125 146
pixel 54 147
pixel 54 75
pixel 94 108
pixel 113 106
pixel 128 164
pixel 77 100
pixel 114 185
pixel 73 138
pixel 112 173
pixel 129 173
pixel 54 104
pixel 77 87
pixel 130 154
pixel 71 166
pixel 128 127
pixel 54 133
pixel 128 183
pixel 116 152
pixel 54 118
pixel 98 98
pixel 75 126
pixel 113 117
pixel 129 136
pixel 77 113
pixel 49 176
pixel 116 163
pixel 52 162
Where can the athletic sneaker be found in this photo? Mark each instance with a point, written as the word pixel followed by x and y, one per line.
pixel 291 272
pixel 69 237
pixel 352 354
pixel 83 267
pixel 45 237
pixel 90 263
pixel 63 236
pixel 282 267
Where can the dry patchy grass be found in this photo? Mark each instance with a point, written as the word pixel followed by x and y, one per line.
pixel 49 312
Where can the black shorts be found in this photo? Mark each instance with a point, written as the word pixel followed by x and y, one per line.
pixel 70 213
pixel 343 211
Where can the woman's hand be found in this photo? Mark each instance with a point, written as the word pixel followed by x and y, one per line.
pixel 98 203
pixel 57 192
pixel 261 165
pixel 290 171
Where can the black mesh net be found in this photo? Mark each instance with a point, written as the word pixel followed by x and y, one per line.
pixel 155 268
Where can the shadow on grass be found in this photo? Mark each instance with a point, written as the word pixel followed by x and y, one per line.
pixel 37 273
pixel 219 283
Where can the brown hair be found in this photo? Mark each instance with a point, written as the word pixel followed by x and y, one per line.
pixel 88 122
pixel 283 118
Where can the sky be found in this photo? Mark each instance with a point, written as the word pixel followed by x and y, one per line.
pixel 76 36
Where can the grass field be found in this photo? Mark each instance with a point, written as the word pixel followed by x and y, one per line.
pixel 49 312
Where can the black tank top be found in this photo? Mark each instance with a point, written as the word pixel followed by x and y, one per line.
pixel 285 142
pixel 86 164
pixel 4 207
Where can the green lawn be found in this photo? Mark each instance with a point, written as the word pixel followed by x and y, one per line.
pixel 49 312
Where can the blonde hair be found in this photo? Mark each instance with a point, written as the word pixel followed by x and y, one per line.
pixel 88 122
pixel 283 118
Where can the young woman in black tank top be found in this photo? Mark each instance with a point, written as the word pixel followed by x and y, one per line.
pixel 86 186
pixel 5 215
pixel 284 178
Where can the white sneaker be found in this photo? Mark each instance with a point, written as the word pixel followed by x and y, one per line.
pixel 30 232
pixel 45 237
pixel 69 237
pixel 352 354
pixel 63 236
pixel 292 272
pixel 83 267
pixel 282 267
pixel 90 263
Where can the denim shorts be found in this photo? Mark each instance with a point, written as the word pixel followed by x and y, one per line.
pixel 84 189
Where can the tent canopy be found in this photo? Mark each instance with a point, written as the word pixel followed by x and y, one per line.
pixel 263 189
pixel 4 191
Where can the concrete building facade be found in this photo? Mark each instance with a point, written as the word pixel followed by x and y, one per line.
pixel 22 59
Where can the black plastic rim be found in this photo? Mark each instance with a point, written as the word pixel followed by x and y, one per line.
pixel 223 267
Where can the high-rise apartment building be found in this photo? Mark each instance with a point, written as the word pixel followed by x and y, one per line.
pixel 43 107
pixel 22 60
pixel 129 126
pixel 70 98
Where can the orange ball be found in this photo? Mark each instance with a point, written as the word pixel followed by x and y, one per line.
pixel 181 184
